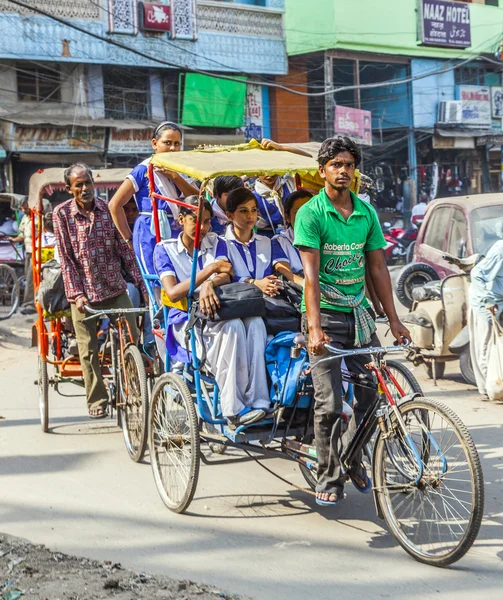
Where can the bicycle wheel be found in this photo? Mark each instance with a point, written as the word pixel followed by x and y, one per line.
pixel 9 292
pixel 175 451
pixel 134 403
pixel 404 378
pixel 43 394
pixel 433 498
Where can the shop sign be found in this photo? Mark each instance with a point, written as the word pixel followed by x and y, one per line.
pixel 156 17
pixel 130 141
pixel 254 115
pixel 475 106
pixel 497 102
pixel 20 138
pixel 355 123
pixel 444 24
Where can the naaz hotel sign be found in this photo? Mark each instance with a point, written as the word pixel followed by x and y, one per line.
pixel 444 24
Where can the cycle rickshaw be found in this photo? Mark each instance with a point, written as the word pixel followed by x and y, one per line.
pixel 122 364
pixel 11 262
pixel 426 473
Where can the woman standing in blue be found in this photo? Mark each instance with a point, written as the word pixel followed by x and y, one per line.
pixel 167 138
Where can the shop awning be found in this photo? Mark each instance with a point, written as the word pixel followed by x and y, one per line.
pixel 34 120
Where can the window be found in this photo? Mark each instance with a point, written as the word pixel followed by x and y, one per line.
pixel 457 235
pixel 487 227
pixel 127 93
pixel 470 76
pixel 492 3
pixel 437 227
pixel 37 83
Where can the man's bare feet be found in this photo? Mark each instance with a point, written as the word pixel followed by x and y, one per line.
pixel 326 499
pixel 97 412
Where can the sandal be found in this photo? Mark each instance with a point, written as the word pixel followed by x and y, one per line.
pixel 360 479
pixel 94 414
pixel 322 502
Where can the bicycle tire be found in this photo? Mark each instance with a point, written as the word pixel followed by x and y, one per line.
pixel 134 406
pixel 309 476
pixel 403 532
pixel 406 374
pixel 43 394
pixel 9 291
pixel 171 390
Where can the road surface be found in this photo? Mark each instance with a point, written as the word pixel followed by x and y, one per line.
pixel 76 490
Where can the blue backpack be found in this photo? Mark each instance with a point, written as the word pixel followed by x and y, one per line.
pixel 283 370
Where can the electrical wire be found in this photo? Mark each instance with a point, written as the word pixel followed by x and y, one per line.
pixel 230 78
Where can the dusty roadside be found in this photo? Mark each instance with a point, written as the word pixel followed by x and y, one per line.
pixel 33 572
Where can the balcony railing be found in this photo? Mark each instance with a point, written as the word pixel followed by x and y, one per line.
pixel 240 19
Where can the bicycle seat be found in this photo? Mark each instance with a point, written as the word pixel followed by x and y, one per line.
pixel 300 340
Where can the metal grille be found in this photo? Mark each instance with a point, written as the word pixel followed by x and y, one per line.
pixel 127 94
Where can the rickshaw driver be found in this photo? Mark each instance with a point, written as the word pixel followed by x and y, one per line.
pixel 337 233
pixel 92 254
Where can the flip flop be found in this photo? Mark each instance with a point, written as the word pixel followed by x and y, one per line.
pixel 321 502
pixel 103 415
pixel 361 473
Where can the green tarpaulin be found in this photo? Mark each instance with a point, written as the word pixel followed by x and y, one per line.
pixel 212 102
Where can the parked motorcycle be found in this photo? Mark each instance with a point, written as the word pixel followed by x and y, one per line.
pixel 399 243
pixel 438 322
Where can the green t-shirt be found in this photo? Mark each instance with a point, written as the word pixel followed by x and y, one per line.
pixel 342 244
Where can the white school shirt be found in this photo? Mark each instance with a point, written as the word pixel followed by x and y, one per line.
pixel 285 239
pixel 172 258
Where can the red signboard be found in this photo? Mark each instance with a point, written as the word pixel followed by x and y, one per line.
pixel 156 17
pixel 355 123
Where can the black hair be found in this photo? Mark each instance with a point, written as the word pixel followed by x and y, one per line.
pixel 292 198
pixel 224 184
pixel 334 146
pixel 167 125
pixel 237 197
pixel 194 201
pixel 76 166
pixel 48 222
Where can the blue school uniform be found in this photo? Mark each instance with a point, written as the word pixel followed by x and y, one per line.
pixel 143 238
pixel 256 259
pixel 270 204
pixel 285 240
pixel 172 258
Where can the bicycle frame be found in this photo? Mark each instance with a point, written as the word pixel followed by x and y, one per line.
pixel 376 413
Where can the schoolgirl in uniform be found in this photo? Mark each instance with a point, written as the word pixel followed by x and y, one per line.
pixel 167 138
pixel 232 353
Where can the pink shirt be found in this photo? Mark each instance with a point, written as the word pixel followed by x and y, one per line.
pixel 92 252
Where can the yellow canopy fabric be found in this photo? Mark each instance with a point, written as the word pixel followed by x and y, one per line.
pixel 245 159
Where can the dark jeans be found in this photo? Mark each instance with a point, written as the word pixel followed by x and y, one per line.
pixel 327 380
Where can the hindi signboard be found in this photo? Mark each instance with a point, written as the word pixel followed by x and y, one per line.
pixel 355 123
pixel 444 24
pixel 156 17
pixel 48 138
pixel 476 105
pixel 254 116
pixel 130 141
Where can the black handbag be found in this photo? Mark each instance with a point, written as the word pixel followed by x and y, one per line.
pixel 237 301
pixel 282 312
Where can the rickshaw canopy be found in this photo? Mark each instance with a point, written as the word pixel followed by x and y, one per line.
pixel 49 180
pixel 249 159
pixel 244 159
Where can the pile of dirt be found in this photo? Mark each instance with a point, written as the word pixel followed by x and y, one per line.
pixel 33 572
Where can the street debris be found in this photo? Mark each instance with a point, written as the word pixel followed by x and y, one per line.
pixel 33 572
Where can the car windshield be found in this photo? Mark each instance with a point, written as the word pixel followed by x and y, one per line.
pixel 487 227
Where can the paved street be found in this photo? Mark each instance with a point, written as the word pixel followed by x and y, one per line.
pixel 76 490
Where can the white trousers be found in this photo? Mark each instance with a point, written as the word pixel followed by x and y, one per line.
pixel 235 353
pixel 480 327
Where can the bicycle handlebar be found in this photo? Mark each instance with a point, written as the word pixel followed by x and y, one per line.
pixel 93 312
pixel 338 353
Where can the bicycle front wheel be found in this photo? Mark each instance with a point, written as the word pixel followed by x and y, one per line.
pixel 429 482
pixel 134 403
pixel 9 292
pixel 175 451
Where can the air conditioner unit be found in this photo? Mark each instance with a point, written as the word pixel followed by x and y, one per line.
pixel 450 112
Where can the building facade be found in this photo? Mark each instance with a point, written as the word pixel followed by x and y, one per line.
pixel 425 74
pixel 89 79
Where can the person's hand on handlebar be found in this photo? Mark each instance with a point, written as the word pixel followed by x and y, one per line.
pixel 316 342
pixel 399 331
pixel 81 303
